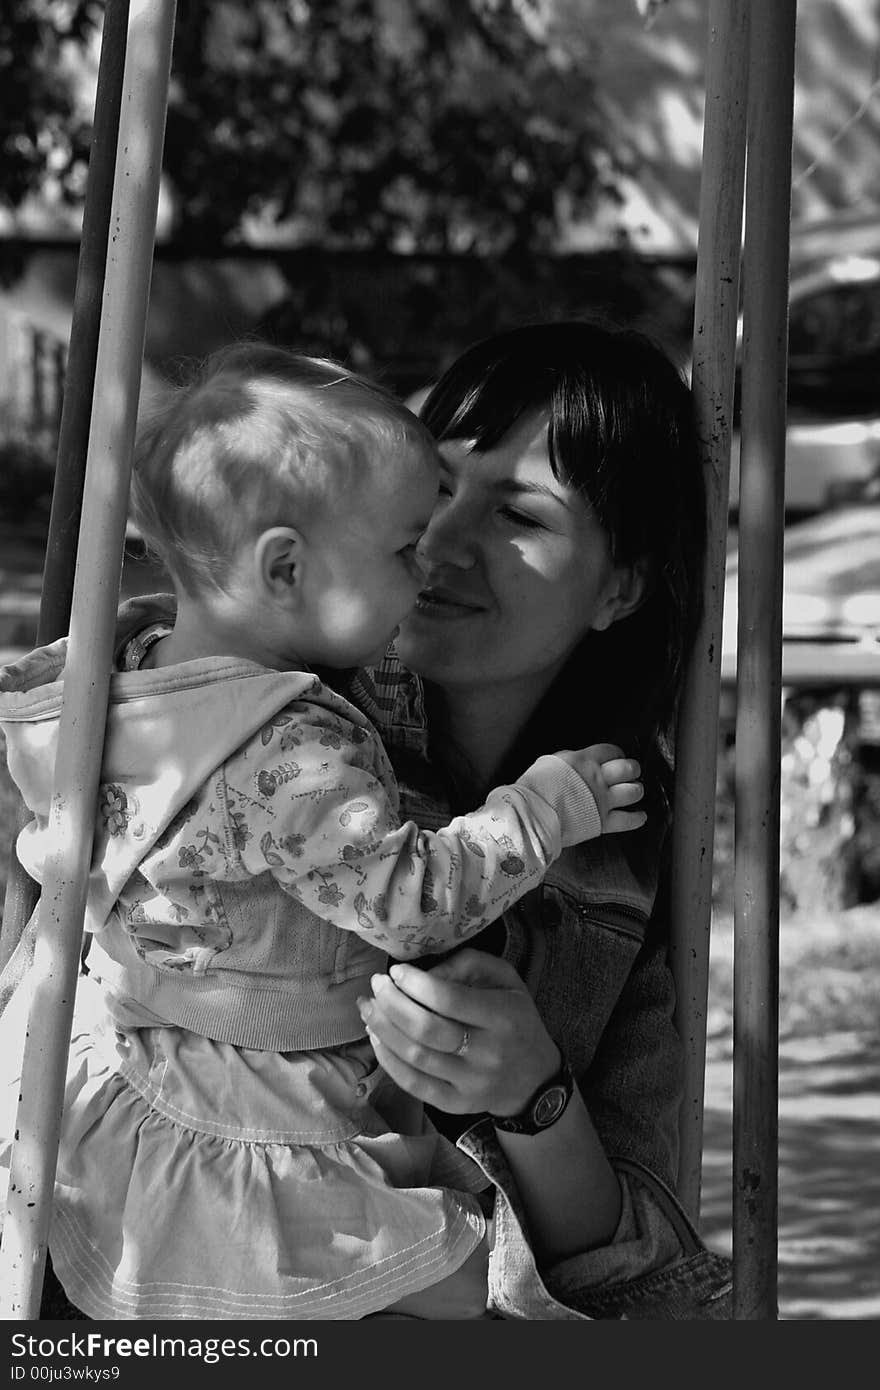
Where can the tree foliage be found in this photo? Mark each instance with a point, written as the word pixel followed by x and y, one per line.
pixel 461 126
pixel 41 136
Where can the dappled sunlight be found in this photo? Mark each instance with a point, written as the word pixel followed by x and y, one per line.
pixel 651 84
pixel 829 1162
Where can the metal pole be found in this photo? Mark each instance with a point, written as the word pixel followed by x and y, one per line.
pixel 759 661
pixel 21 891
pixel 90 653
pixel 715 317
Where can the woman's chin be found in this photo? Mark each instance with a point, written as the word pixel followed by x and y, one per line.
pixel 430 648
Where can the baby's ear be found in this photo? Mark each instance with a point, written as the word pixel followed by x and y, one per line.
pixel 278 559
pixel 626 591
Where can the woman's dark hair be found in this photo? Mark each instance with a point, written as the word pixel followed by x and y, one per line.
pixel 620 430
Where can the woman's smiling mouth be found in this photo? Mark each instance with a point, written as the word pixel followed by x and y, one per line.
pixel 443 603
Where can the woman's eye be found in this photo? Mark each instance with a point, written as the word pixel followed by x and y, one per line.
pixel 529 523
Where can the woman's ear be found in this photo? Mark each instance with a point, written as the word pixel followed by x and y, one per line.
pixel 278 560
pixel 626 591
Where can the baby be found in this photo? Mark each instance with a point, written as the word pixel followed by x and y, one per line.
pixel 229 1146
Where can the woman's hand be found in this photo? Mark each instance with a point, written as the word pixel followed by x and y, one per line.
pixel 417 1021
pixel 464 1037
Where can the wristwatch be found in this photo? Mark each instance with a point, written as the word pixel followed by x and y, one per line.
pixel 544 1108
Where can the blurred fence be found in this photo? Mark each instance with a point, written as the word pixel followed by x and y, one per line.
pixel 33 365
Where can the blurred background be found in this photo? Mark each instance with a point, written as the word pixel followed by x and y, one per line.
pixel 385 181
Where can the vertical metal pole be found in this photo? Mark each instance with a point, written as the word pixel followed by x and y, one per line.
pixel 60 561
pixel 759 661
pixel 715 317
pixel 90 653
pixel 76 410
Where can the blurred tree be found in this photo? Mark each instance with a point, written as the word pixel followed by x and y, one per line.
pixel 41 136
pixel 465 126
pixel 379 123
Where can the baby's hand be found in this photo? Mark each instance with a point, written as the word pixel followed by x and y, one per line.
pixel 614 781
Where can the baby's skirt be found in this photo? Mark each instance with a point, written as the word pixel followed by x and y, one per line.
pixel 200 1180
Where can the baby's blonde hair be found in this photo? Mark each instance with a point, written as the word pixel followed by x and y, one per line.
pixel 260 437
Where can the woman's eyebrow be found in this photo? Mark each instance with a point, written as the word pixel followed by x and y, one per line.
pixel 509 487
pixel 519 488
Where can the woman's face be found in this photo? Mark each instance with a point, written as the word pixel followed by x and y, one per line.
pixel 518 569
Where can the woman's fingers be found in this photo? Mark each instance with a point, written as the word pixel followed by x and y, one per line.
pixel 418 1055
pixel 424 1027
pixel 438 1060
pixel 433 1090
pixel 460 987
pixel 467 1031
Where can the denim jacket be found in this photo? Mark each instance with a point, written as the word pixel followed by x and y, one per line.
pixel 591 943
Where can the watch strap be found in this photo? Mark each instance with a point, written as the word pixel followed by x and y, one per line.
pixel 543 1108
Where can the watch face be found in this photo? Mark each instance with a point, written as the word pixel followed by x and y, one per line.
pixel 544 1108
pixel 550 1106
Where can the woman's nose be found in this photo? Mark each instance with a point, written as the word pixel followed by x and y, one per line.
pixel 449 539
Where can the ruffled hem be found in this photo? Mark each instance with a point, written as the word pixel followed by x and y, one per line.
pixel 100 1292
pixel 156 1218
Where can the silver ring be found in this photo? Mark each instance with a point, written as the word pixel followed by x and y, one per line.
pixel 463 1045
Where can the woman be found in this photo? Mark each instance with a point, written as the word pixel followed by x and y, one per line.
pixel 563 560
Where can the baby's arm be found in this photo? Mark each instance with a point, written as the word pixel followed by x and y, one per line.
pixel 321 815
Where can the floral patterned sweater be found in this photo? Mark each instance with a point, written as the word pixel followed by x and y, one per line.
pixel 250 870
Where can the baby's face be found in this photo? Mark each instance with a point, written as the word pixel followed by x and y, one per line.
pixel 365 575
